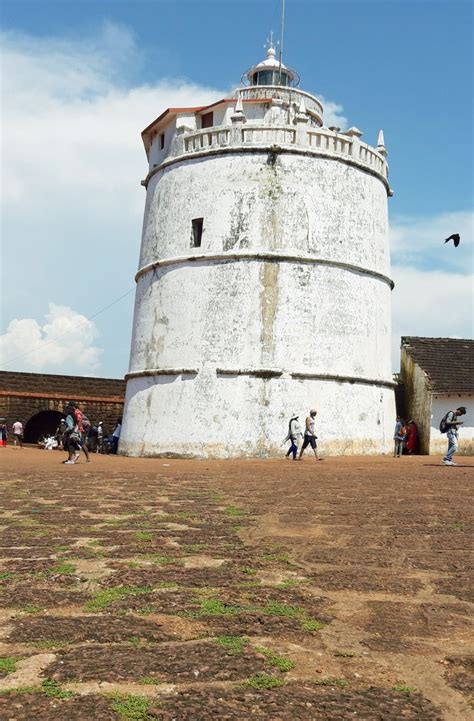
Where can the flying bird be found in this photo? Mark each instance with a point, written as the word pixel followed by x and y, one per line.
pixel 455 237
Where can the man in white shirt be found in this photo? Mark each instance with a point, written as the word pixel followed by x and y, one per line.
pixel 310 436
pixel 17 429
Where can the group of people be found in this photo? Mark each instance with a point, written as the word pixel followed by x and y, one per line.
pixel 78 434
pixel 301 440
pixel 405 437
pixel 17 431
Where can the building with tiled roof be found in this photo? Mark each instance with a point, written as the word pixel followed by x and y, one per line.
pixel 438 375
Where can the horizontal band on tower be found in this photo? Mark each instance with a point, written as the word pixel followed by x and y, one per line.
pixel 269 148
pixel 263 257
pixel 266 373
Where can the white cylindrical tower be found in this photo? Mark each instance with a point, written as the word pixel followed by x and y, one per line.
pixel 263 286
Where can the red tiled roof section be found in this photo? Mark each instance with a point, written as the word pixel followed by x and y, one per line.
pixel 448 362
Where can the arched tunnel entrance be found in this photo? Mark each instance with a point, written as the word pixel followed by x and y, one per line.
pixel 42 423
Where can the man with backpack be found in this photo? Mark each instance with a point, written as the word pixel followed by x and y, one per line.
pixel 449 425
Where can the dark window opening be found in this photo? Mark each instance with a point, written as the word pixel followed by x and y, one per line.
pixel 162 141
pixel 207 120
pixel 196 233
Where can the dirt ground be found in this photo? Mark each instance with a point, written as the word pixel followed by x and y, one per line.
pixel 156 589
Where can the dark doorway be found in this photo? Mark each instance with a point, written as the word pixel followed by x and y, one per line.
pixel 43 423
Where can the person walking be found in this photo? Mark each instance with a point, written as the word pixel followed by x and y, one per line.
pixel 294 435
pixel 412 437
pixel 17 430
pixel 100 437
pixel 83 425
pixel 399 437
pixel 72 436
pixel 3 433
pixel 449 425
pixel 116 436
pixel 309 435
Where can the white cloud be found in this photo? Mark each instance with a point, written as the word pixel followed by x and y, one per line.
pixel 64 344
pixel 419 241
pixel 430 303
pixel 333 114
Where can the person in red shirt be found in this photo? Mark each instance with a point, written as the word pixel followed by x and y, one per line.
pixel 80 420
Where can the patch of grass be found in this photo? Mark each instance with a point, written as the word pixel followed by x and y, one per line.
pixel 403 688
pixel 143 536
pixel 7 663
pixel 312 624
pixel 150 680
pixel 282 557
pixel 45 645
pixel 63 568
pixel 145 610
pixel 232 644
pixel 61 549
pixel 248 570
pixel 235 511
pixel 459 525
pixel 161 560
pixel 330 681
pixel 263 681
pixel 131 708
pixel 250 584
pixel 167 584
pixel 6 576
pixel 105 598
pixel 53 689
pixel 274 659
pixel 216 607
pixel 275 608
pixel 344 654
pixel 194 547
pixel 20 690
pixel 31 608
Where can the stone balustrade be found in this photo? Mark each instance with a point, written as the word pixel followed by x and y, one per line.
pixel 300 137
pixel 283 94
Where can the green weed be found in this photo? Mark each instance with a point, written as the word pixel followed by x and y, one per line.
pixel 403 688
pixel 312 624
pixel 6 576
pixel 20 690
pixel 263 681
pixel 31 608
pixel 150 680
pixel 7 664
pixel 459 525
pixel 232 644
pixel 235 511
pixel 105 598
pixel 275 608
pixel 143 536
pixel 249 571
pixel 216 607
pixel 274 659
pixel 131 708
pixel 53 689
pixel 330 681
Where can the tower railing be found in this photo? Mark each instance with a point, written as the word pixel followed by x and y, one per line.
pixel 296 137
pixel 284 94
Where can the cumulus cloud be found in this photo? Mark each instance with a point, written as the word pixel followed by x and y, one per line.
pixel 65 343
pixel 430 303
pixel 419 241
pixel 333 114
pixel 433 282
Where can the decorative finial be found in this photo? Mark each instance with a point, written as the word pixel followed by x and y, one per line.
pixel 381 144
pixel 270 46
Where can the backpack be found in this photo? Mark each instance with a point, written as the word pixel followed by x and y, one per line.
pixel 443 426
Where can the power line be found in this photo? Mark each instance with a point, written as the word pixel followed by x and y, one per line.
pixel 57 337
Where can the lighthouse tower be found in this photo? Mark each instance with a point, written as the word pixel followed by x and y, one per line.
pixel 263 286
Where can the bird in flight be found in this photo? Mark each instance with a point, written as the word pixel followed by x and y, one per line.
pixel 456 238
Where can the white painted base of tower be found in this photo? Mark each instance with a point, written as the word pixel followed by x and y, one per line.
pixel 209 415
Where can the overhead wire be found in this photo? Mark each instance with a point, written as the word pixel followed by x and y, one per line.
pixel 60 335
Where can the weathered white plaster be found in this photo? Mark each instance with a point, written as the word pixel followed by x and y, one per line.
pixel 286 303
pixel 440 405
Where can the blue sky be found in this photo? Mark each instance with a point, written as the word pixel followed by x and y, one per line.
pixel 81 79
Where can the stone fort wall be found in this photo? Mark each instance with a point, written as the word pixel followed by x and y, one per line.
pixel 24 395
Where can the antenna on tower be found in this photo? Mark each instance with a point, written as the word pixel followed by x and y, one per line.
pixel 283 3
